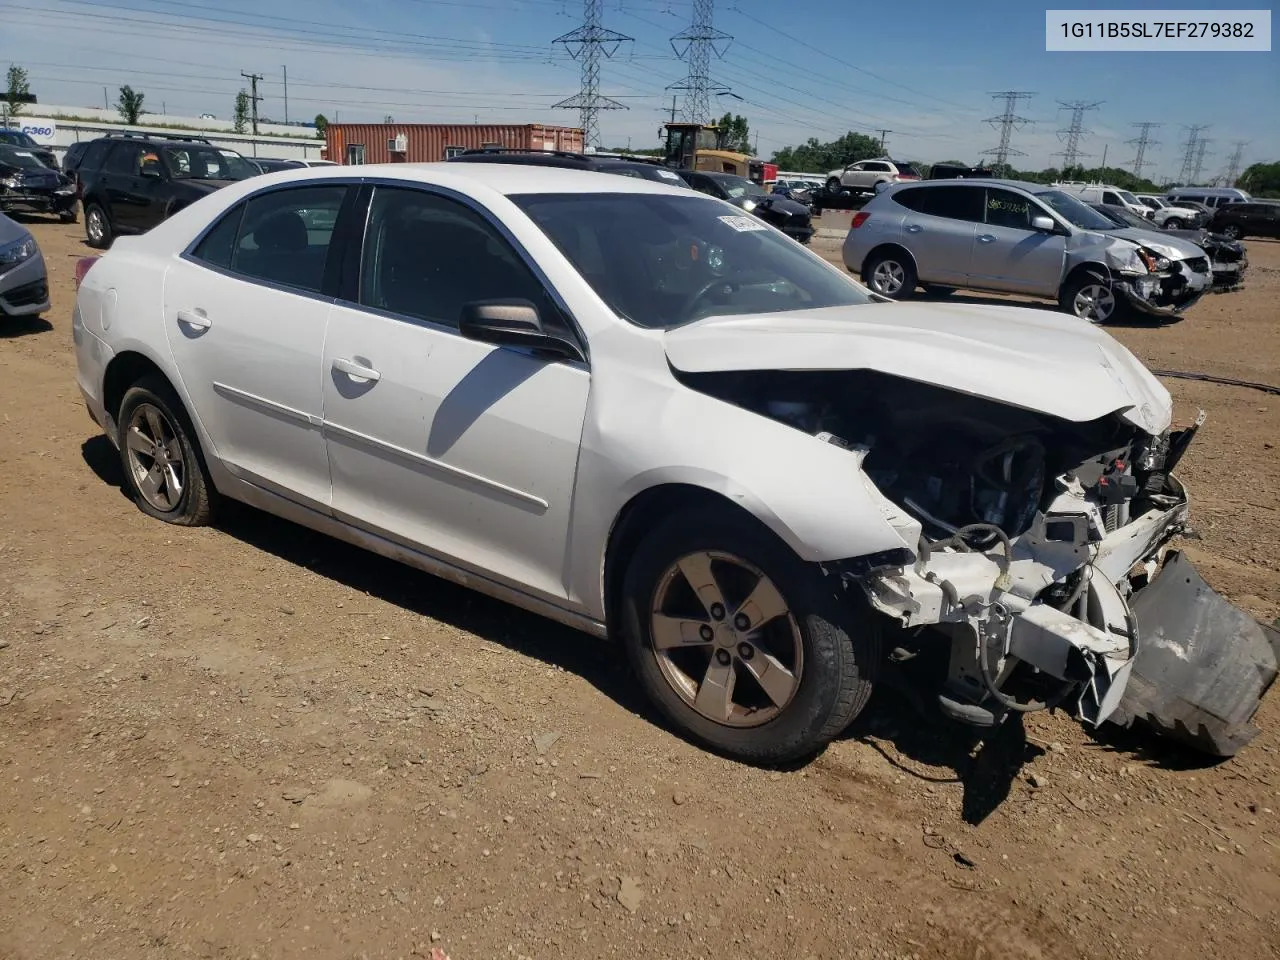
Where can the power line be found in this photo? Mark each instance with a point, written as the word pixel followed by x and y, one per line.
pixel 1007 122
pixel 588 44
pixel 696 46
pixel 1143 141
pixel 1186 176
pixel 1071 152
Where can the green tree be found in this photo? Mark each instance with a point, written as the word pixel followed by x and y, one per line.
pixel 814 157
pixel 17 92
pixel 1261 180
pixel 129 104
pixel 735 133
pixel 240 116
pixel 322 124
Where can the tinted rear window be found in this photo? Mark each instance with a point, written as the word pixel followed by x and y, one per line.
pixel 906 169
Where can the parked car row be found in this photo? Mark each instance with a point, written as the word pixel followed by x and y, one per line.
pixel 1228 258
pixel 641 411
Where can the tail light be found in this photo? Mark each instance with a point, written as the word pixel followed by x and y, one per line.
pixel 859 219
pixel 83 266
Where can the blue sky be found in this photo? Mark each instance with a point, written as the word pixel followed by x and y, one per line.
pixel 923 70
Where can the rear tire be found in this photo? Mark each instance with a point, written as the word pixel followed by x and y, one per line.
pixel 890 274
pixel 97 226
pixel 812 646
pixel 1174 223
pixel 164 471
pixel 834 185
pixel 1232 231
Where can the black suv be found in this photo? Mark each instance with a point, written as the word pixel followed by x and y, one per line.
pixel 130 182
pixel 1256 218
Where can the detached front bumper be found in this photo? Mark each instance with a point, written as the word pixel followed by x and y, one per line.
pixel 37 201
pixel 1168 294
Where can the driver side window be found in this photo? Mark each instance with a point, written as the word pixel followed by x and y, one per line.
pixel 1008 209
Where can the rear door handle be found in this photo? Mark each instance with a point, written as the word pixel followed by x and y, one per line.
pixel 195 318
pixel 355 370
pixel 914 228
pixel 986 238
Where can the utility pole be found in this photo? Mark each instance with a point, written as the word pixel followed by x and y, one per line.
pixel 883 135
pixel 1189 154
pixel 1007 123
pixel 286 93
pixel 1142 141
pixel 589 44
pixel 1233 165
pixel 1071 152
pixel 105 104
pixel 253 79
pixel 1105 147
pixel 696 46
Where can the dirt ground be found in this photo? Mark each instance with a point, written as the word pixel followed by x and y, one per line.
pixel 251 742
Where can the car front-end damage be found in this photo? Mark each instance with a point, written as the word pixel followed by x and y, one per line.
pixel 1155 278
pixel 1042 532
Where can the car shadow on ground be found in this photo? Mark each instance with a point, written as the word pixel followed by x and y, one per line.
pixel 13 327
pixel 1130 319
pixel 600 663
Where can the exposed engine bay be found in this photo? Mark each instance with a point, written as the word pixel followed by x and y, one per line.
pixel 1038 537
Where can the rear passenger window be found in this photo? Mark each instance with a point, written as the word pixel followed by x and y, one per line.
pixel 954 203
pixel 284 236
pixel 219 243
pixel 913 199
pixel 123 158
pixel 1008 209
pixel 93 155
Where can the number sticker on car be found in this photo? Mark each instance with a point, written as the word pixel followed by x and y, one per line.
pixel 743 224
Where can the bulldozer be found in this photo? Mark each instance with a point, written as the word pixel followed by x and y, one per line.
pixel 698 146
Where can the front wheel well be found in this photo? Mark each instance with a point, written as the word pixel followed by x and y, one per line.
pixel 1092 267
pixel 124 370
pixel 640 515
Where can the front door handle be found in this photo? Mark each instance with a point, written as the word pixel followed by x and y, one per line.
pixel 986 238
pixel 357 371
pixel 914 228
pixel 195 318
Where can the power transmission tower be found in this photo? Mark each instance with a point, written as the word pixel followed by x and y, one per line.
pixel 1143 141
pixel 696 46
pixel 1201 149
pixel 589 44
pixel 1189 154
pixel 253 79
pixel 1071 136
pixel 1007 122
pixel 1233 165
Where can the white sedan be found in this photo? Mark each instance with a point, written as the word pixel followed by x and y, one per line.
pixel 632 409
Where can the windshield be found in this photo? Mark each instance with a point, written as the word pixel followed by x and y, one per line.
pixel 1074 211
pixel 206 163
pixel 736 187
pixel 1129 198
pixel 17 137
pixel 1126 218
pixel 1155 203
pixel 20 158
pixel 661 261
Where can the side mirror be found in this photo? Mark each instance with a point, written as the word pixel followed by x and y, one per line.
pixel 512 323
pixel 1043 224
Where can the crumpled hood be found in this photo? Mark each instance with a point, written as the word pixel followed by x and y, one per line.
pixel 1027 358
pixel 1165 244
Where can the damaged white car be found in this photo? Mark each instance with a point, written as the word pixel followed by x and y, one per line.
pixel 632 409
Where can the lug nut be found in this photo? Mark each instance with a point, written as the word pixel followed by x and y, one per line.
pixel 742 622
pixel 717 611
pixel 746 651
pixel 722 657
pixel 706 633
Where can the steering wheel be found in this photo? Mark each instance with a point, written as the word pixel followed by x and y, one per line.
pixel 705 289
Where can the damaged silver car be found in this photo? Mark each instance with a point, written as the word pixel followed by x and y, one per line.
pixel 1015 237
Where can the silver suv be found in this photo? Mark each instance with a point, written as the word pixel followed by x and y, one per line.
pixel 865 176
pixel 1014 237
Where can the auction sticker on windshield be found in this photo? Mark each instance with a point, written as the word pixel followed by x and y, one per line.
pixel 743 224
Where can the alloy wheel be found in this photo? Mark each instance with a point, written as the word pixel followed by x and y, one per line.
pixel 1095 303
pixel 96 225
pixel 888 277
pixel 155 458
pixel 725 639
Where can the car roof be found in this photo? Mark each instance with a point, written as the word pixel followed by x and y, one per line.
pixel 507 179
pixel 973 182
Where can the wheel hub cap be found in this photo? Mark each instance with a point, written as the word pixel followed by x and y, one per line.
pixel 156 463
pixel 889 277
pixel 725 639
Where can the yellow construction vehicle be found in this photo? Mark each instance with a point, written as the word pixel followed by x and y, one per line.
pixel 697 146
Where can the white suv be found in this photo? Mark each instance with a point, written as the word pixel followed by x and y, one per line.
pixel 1171 216
pixel 1101 193
pixel 866 175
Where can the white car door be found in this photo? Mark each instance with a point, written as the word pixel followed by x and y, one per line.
pixel 463 449
pixel 245 313
pixel 855 176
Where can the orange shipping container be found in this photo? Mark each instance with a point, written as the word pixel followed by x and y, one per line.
pixel 354 143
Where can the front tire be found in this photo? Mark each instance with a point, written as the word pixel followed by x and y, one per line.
pixel 1089 297
pixel 834 185
pixel 740 644
pixel 97 226
pixel 1232 231
pixel 1174 223
pixel 890 274
pixel 163 469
